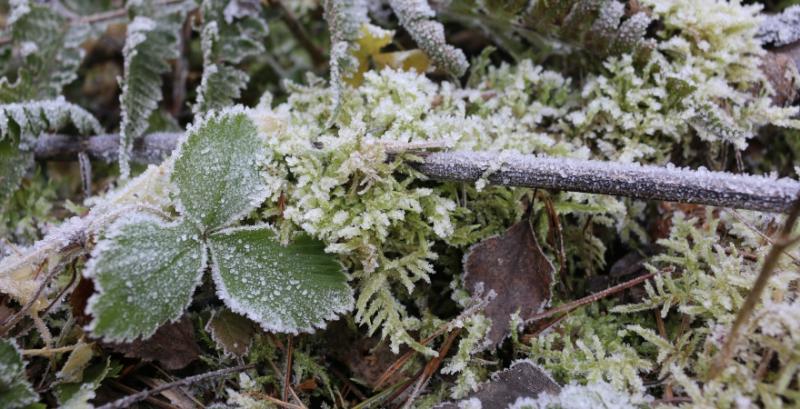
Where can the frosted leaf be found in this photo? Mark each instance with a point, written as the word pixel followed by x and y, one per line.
pixel 50 51
pixel 216 170
pixel 416 17
pixel 145 272
pixel 27 120
pixel 291 289
pixel 13 164
pixel 15 390
pixel 148 46
pixel 230 33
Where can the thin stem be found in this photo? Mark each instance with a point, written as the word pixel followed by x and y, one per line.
pixel 770 263
pixel 48 351
pixel 140 396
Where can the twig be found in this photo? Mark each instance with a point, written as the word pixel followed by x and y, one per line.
pixel 592 298
pixel 558 238
pixel 287 374
pixel 48 351
pixel 783 241
pixel 588 176
pixel 130 400
pixel 299 32
pixel 431 367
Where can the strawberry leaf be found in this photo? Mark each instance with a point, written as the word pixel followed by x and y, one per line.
pixel 217 170
pixel 145 272
pixel 291 289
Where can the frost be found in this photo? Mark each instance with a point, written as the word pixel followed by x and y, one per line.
pixel 292 289
pixel 145 272
pixel 416 17
pixel 781 29
pixel 15 390
pixel 216 170
pixel 149 43
pixel 226 42
pixel 27 120
pixel 575 396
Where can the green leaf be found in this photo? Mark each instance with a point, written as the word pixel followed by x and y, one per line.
pixel 78 394
pixel 145 272
pixel 13 164
pixel 15 390
pixel 217 170
pixel 49 50
pixel 149 44
pixel 227 39
pixel 284 289
pixel 29 119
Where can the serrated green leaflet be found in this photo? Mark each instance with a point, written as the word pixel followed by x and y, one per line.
pixel 145 272
pixel 284 289
pixel 15 391
pixel 217 171
pixel 12 168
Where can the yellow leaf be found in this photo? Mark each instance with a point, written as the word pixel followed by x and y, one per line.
pixel 403 60
pixel 372 39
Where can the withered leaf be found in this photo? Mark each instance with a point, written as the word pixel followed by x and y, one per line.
pixel 514 267
pixel 232 332
pixel 522 379
pixel 173 346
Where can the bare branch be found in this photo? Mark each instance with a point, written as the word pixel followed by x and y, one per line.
pixel 575 175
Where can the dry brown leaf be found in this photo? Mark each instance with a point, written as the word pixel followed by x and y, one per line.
pixel 173 346
pixel 522 379
pixel 232 332
pixel 514 268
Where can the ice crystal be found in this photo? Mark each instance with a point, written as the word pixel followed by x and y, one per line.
pixel 284 289
pixel 145 272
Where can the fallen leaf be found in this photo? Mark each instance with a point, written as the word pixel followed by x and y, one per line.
pixel 232 332
pixel 522 379
pixel 367 358
pixel 173 346
pixel 514 268
pixel 779 68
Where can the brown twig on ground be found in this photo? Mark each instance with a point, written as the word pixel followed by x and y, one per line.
pixel 287 374
pixel 130 400
pixel 558 237
pixel 431 367
pixel 782 243
pixel 592 298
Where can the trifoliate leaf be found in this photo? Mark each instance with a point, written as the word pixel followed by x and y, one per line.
pixel 232 332
pixel 145 272
pixel 15 390
pixel 513 267
pixel 148 45
pixel 217 170
pixel 284 289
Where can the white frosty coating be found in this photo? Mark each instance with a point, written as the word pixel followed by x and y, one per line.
pixel 147 45
pixel 17 272
pixel 216 169
pixel 631 180
pixel 145 272
pixel 289 289
pixel 35 117
pixel 781 29
pixel 416 17
pixel 574 396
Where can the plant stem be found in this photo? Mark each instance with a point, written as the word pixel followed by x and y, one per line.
pixel 783 242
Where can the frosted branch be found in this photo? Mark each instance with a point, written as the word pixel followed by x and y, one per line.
pixel 588 176
pixel 781 29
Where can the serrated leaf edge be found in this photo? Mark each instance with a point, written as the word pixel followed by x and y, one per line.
pixel 234 306
pixel 260 194
pixel 112 232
